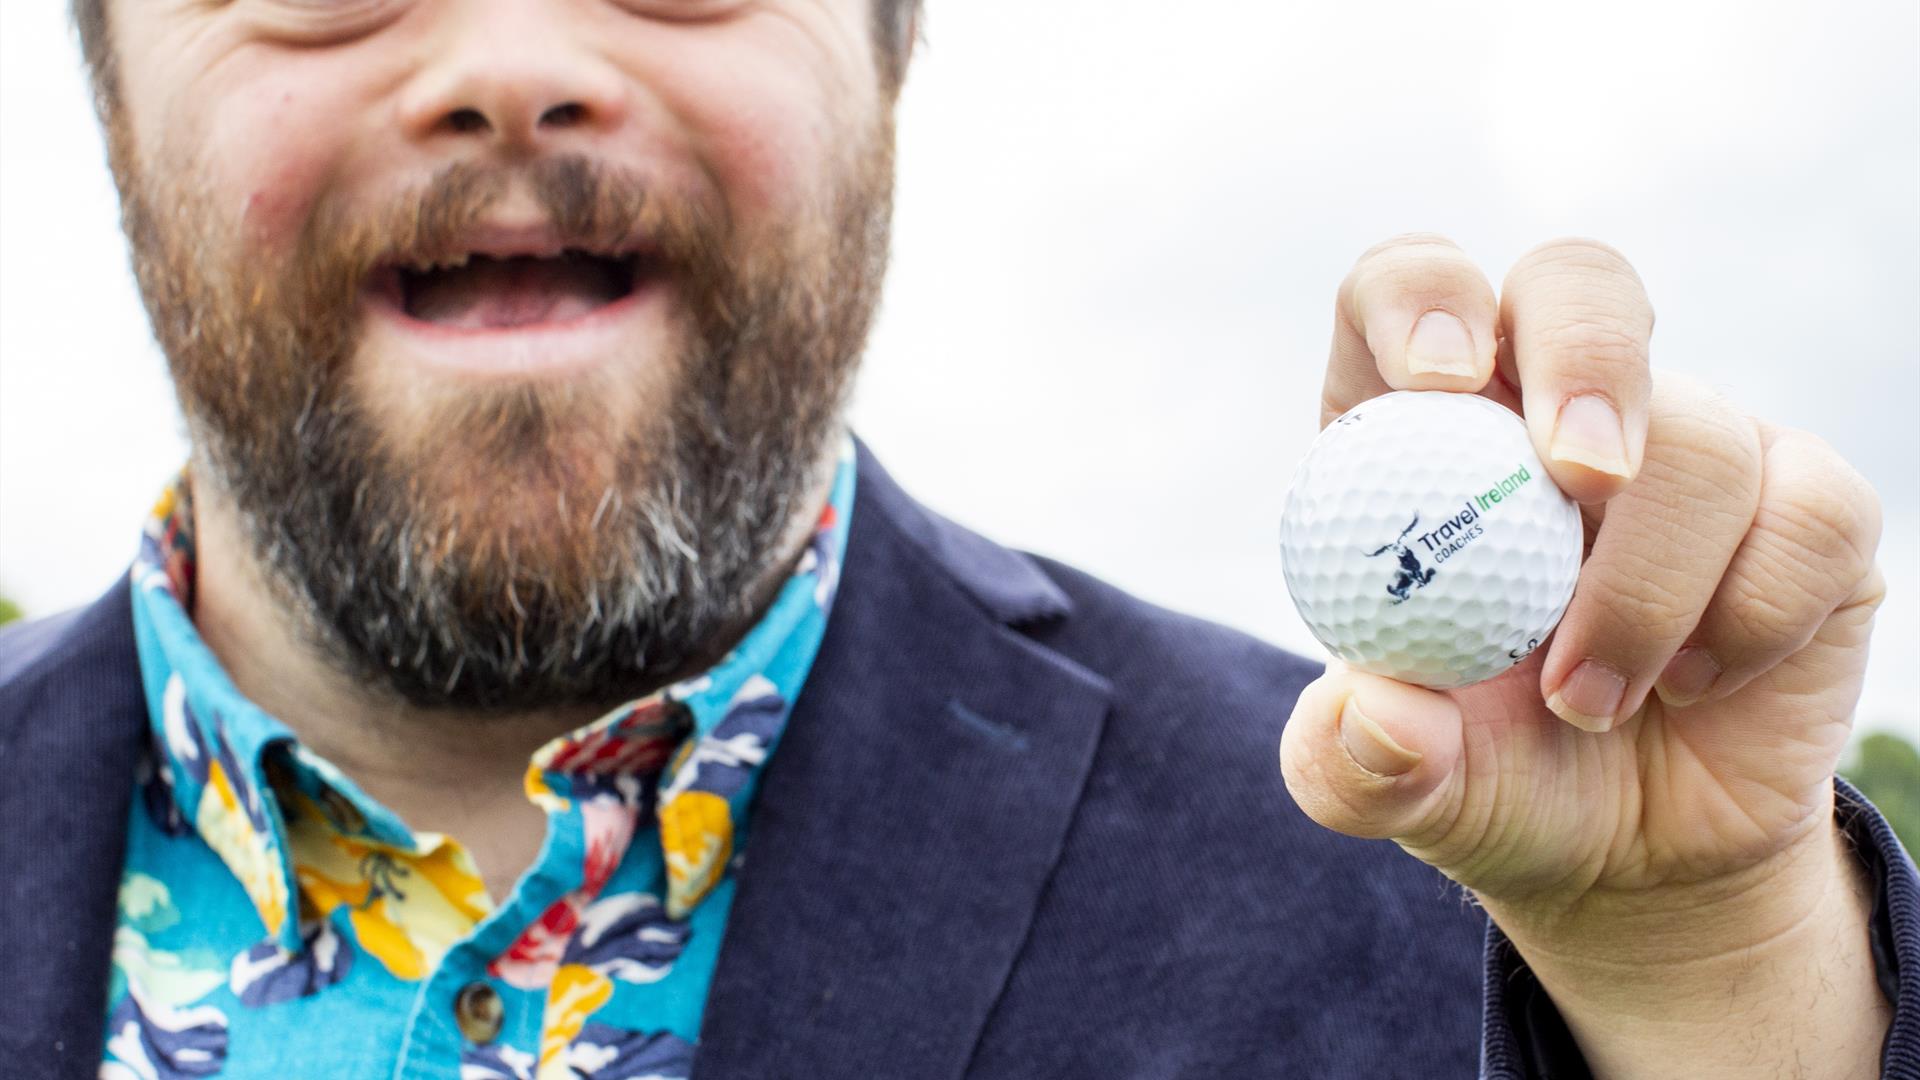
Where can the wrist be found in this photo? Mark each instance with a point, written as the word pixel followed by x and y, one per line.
pixel 1772 965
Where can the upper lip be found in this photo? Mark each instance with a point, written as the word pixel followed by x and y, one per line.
pixel 510 241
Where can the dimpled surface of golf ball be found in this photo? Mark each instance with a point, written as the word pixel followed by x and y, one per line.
pixel 1423 541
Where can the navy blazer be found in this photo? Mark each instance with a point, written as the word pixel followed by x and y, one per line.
pixel 1021 825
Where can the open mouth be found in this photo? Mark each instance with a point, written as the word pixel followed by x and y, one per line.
pixel 488 292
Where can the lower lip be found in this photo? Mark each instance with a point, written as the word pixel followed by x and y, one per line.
pixel 532 350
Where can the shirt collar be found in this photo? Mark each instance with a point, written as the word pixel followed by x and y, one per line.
pixel 222 766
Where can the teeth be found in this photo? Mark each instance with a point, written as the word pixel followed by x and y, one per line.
pixel 456 262
pixel 429 266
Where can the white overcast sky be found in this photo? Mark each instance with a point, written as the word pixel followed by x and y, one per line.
pixel 1120 229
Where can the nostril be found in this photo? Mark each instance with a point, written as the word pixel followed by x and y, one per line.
pixel 467 121
pixel 566 115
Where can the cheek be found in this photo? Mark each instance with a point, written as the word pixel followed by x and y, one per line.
pixel 771 161
pixel 770 135
pixel 267 154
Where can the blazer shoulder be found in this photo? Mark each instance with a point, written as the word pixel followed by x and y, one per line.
pixel 45 661
pixel 29 645
pixel 1154 652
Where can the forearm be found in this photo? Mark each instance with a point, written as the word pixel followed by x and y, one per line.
pixel 1772 977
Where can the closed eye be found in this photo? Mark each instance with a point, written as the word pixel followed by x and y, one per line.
pixel 683 10
pixel 321 22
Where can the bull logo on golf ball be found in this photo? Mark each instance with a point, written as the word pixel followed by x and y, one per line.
pixel 1411 574
pixel 1470 593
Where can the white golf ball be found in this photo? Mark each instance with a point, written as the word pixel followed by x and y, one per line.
pixel 1423 541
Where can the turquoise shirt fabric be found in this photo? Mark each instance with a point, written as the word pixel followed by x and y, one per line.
pixel 275 921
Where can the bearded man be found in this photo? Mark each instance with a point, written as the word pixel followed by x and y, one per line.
pixel 531 676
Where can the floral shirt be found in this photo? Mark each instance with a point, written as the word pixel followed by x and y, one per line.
pixel 275 921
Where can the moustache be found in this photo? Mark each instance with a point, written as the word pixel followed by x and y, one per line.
pixel 586 209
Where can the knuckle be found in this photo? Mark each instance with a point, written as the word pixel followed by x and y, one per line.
pixel 1591 338
pixel 1644 600
pixel 1703 446
pixel 1576 253
pixel 1580 282
pixel 1417 271
pixel 1317 790
pixel 1773 602
pixel 1872 591
pixel 1293 760
pixel 1820 504
pixel 1820 523
pixel 1406 241
pixel 1706 502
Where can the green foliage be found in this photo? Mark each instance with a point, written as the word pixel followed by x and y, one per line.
pixel 9 611
pixel 1886 768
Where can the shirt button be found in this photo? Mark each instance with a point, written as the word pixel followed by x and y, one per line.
pixel 478 1011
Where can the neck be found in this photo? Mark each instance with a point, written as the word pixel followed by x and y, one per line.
pixel 441 770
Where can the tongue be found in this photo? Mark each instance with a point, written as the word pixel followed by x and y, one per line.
pixel 494 293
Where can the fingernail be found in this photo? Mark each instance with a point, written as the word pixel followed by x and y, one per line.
pixel 1589 433
pixel 1590 697
pixel 1370 746
pixel 1689 675
pixel 1440 345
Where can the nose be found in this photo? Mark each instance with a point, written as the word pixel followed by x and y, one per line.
pixel 508 75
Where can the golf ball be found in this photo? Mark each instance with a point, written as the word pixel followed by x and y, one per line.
pixel 1424 541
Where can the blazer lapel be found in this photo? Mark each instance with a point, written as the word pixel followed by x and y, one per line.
pixel 912 815
pixel 73 721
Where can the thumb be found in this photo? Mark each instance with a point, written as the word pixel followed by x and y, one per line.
pixel 1371 757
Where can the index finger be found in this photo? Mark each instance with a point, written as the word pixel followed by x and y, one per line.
pixel 1414 313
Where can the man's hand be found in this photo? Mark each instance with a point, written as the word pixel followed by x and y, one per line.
pixel 1646 805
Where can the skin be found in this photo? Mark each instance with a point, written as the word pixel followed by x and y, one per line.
pixel 273 106
pixel 1666 861
pixel 1652 828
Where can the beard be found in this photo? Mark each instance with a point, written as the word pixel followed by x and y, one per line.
pixel 523 544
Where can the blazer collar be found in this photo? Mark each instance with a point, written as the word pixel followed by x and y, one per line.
pixel 920 799
pixel 1008 586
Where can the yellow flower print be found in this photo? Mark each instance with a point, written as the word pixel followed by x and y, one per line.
pixel 407 907
pixel 705 776
pixel 696 831
pixel 573 996
pixel 248 851
pixel 540 793
pixel 163 506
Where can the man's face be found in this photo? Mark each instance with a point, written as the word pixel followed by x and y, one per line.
pixel 514 330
